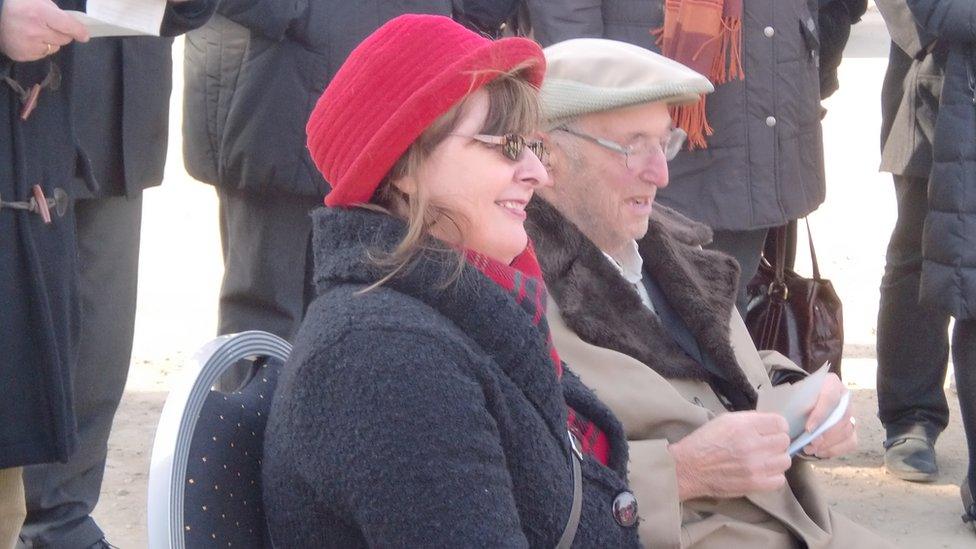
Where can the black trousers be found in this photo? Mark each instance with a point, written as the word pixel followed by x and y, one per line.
pixel 61 496
pixel 746 247
pixel 912 341
pixel 964 364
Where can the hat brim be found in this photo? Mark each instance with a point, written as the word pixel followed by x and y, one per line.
pixel 563 99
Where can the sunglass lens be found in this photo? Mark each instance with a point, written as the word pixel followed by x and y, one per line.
pixel 513 146
pixel 538 149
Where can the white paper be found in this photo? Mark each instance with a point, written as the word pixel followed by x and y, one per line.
pixel 832 419
pixel 122 17
pixel 794 401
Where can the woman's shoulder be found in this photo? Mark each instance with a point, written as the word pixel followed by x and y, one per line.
pixel 346 326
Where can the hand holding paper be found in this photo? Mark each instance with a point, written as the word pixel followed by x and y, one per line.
pixel 831 421
pixel 33 29
pixel 122 17
pixel 818 405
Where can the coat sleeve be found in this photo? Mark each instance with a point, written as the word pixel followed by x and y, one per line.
pixel 186 16
pixel 653 479
pixel 953 20
pixel 272 18
pixel 400 438
pixel 557 20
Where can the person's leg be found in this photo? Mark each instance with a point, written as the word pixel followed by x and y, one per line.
pixel 912 341
pixel 61 496
pixel 265 240
pixel 913 347
pixel 964 364
pixel 12 506
pixel 746 247
pixel 267 268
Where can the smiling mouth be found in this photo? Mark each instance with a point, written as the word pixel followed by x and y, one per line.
pixel 516 207
pixel 640 201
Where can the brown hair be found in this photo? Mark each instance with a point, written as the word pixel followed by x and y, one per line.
pixel 513 107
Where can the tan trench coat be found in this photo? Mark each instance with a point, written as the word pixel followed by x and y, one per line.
pixel 656 409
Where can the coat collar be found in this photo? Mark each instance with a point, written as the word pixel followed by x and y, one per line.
pixel 344 239
pixel 604 310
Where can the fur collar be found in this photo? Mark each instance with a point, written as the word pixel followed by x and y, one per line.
pixel 604 310
pixel 502 330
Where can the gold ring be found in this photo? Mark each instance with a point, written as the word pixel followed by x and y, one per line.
pixel 50 49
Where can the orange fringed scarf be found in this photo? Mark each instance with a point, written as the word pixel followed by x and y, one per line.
pixel 705 35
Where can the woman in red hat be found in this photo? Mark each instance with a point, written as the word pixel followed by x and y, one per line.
pixel 423 404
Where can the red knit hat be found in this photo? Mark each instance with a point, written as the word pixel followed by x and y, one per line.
pixel 392 87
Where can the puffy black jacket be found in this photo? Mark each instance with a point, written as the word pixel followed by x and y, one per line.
pixel 252 76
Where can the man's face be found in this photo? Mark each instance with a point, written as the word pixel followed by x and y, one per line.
pixel 606 193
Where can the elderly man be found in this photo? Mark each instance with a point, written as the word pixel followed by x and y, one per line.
pixel 646 317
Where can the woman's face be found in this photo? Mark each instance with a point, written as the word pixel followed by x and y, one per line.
pixel 484 191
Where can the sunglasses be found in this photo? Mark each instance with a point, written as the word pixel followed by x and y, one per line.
pixel 512 145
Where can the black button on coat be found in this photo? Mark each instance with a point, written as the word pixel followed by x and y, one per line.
pixel 417 416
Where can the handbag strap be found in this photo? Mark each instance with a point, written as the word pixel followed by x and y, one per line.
pixel 569 533
pixel 779 262
pixel 813 251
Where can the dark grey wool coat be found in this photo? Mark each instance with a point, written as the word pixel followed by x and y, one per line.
pixel 949 237
pixel 764 165
pixel 414 415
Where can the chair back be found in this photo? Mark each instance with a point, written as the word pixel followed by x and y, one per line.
pixel 205 472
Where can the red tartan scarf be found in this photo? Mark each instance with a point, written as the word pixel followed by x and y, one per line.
pixel 523 280
pixel 705 35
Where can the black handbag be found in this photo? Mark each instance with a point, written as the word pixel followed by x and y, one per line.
pixel 802 318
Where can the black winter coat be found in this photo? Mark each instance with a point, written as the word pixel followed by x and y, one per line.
pixel 38 303
pixel 38 264
pixel 120 107
pixel 949 235
pixel 411 416
pixel 252 76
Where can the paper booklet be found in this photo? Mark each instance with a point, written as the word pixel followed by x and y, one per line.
pixel 795 401
pixel 122 17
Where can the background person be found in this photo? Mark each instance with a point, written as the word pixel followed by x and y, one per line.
pixel 120 110
pixel 930 276
pixel 422 404
pixel 39 316
pixel 251 78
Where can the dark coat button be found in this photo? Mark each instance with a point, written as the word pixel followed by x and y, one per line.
pixel 625 509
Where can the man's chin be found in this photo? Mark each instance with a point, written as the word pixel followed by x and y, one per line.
pixel 639 228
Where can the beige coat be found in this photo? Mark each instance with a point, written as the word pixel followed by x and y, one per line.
pixel 658 403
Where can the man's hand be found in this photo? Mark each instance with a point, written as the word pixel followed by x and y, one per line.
pixel 733 455
pixel 33 29
pixel 842 437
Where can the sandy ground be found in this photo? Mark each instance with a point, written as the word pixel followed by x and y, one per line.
pixel 180 275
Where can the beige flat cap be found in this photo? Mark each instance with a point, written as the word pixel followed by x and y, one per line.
pixel 586 75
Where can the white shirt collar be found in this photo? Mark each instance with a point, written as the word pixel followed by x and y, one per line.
pixel 630 264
